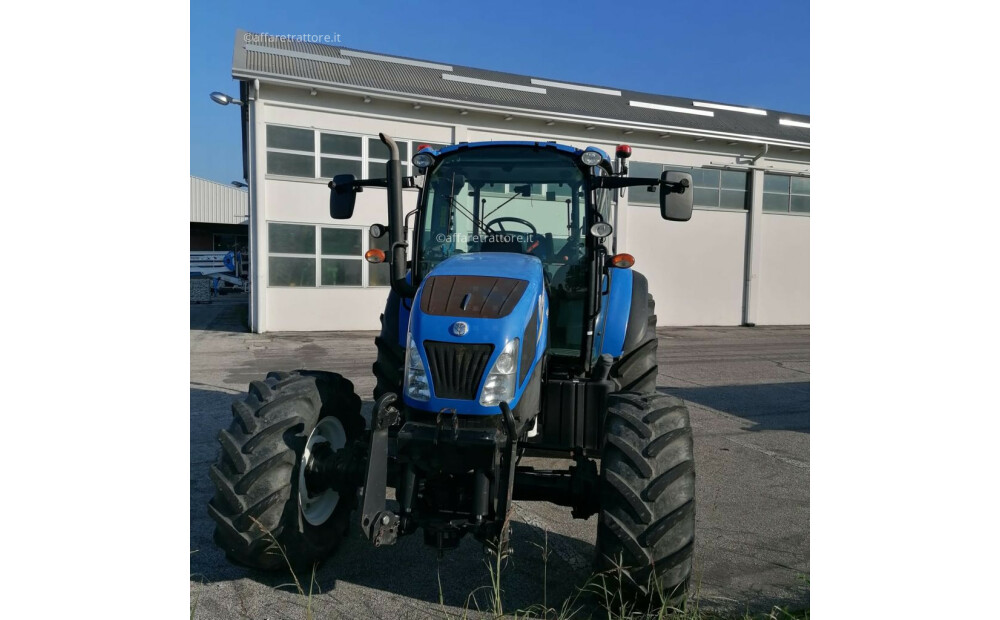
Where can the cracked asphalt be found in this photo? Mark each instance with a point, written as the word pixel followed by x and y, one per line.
pixel 748 393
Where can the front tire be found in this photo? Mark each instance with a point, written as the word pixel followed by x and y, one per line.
pixel 257 477
pixel 647 517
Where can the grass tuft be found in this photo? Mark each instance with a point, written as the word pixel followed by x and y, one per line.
pixel 298 585
pixel 602 587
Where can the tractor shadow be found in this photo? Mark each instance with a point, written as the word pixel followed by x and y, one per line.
pixel 407 569
pixel 768 406
pixel 461 577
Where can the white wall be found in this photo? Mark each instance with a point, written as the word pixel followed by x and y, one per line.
pixel 696 269
pixel 783 289
pixel 306 201
pixel 323 308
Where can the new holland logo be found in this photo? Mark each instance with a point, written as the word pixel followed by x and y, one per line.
pixel 459 328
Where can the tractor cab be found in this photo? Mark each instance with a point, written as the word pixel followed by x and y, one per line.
pixel 550 201
pixel 520 199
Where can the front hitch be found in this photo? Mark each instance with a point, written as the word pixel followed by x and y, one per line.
pixel 380 525
pixel 507 468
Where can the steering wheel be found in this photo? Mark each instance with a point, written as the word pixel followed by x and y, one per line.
pixel 500 220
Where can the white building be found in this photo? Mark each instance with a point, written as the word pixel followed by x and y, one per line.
pixel 312 111
pixel 219 216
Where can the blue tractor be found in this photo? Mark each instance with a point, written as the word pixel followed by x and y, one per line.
pixel 514 329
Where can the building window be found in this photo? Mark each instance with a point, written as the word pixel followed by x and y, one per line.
pixel 291 255
pixel 311 255
pixel 378 155
pixel 291 151
pixel 291 239
pixel 310 153
pixel 640 195
pixel 378 274
pixel 341 242
pixel 786 194
pixel 291 271
pixel 345 245
pixel 713 189
pixel 339 154
pixel 720 189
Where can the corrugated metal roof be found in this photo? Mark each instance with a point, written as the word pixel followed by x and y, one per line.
pixel 217 203
pixel 421 80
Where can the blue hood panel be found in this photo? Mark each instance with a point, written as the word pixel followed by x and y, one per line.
pixel 533 306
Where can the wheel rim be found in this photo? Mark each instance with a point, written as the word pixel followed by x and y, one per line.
pixel 316 509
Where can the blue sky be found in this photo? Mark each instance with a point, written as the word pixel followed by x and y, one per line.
pixel 749 53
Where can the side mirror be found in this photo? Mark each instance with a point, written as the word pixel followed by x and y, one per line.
pixel 342 196
pixel 676 196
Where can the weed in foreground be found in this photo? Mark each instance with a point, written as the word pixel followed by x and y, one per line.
pixel 194 597
pixel 298 585
pixel 603 586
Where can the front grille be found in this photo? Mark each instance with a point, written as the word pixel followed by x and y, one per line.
pixel 456 369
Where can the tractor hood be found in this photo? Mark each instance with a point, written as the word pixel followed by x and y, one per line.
pixel 464 314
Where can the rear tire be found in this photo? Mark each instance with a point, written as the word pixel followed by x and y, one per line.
pixel 647 517
pixel 635 370
pixel 256 503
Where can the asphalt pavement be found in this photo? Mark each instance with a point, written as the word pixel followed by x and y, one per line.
pixel 748 393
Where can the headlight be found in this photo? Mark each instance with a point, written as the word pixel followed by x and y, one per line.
pixel 601 230
pixel 423 160
pixel 501 380
pixel 415 382
pixel 591 158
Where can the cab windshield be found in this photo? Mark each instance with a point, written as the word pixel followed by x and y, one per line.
pixel 524 200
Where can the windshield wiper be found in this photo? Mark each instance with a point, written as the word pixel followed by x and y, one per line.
pixel 464 211
pixel 461 208
pixel 516 194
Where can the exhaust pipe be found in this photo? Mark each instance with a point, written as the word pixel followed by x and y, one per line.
pixel 397 238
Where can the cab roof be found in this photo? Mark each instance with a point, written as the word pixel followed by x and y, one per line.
pixel 572 150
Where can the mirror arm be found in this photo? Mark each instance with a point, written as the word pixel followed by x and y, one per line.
pixel 359 184
pixel 676 188
pixel 619 182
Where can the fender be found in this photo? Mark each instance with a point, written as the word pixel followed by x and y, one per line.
pixel 624 314
pixel 397 315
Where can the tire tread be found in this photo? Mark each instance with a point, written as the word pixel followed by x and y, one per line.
pixel 255 478
pixel 647 513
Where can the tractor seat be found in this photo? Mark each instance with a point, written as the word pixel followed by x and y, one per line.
pixel 514 247
pixel 541 245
